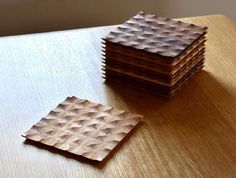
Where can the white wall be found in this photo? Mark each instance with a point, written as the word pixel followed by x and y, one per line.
pixel 27 16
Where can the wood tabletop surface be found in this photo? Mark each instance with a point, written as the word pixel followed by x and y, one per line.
pixel 191 135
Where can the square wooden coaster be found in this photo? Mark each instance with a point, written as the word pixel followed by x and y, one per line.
pixel 83 128
pixel 152 87
pixel 153 34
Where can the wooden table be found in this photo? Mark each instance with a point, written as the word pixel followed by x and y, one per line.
pixel 191 135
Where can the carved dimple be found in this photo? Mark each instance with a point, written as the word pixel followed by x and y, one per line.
pixel 114 122
pixel 93 126
pixel 62 106
pixel 92 146
pixel 100 137
pixel 81 121
pixel 65 137
pixel 78 141
pixel 54 113
pixel 107 130
pixel 71 99
pixel 74 129
pixel 87 133
pixel 101 118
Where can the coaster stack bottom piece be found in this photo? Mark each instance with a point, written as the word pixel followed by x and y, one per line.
pixel 154 53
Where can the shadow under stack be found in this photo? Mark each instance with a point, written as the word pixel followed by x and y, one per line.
pixel 154 53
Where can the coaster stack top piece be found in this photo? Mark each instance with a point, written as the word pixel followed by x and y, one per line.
pixel 157 35
pixel 154 53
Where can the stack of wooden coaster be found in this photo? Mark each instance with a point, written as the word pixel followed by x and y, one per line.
pixel 154 53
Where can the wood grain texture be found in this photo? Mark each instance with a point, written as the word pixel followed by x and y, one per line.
pixel 191 135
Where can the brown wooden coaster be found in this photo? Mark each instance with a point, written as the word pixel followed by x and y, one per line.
pixel 140 55
pixel 83 128
pixel 152 87
pixel 128 59
pixel 152 76
pixel 157 35
pixel 155 71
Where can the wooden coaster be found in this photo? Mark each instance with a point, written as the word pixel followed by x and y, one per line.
pixel 128 59
pixel 140 55
pixel 152 87
pixel 157 35
pixel 83 128
pixel 148 68
pixel 152 76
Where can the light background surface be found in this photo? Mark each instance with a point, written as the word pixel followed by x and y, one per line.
pixel 28 16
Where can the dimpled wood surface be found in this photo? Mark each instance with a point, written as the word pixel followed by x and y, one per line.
pixel 155 34
pixel 191 135
pixel 83 128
